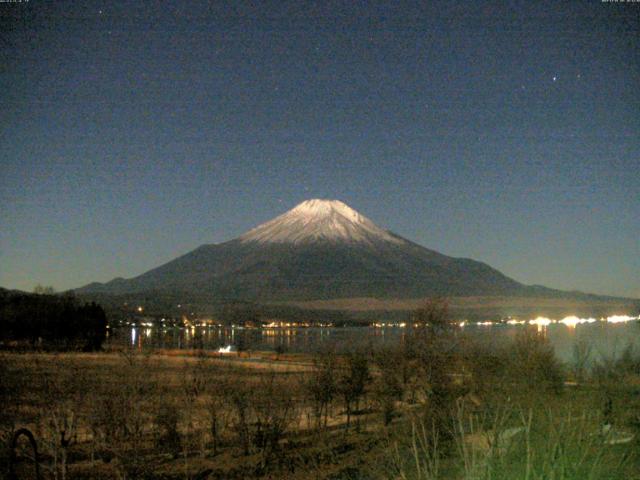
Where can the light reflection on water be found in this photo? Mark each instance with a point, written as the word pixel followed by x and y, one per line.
pixel 606 339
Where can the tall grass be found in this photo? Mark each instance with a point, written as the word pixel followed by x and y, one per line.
pixel 548 443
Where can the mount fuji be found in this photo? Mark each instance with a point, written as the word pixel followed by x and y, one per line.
pixel 321 249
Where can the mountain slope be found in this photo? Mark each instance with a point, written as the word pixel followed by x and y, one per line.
pixel 320 249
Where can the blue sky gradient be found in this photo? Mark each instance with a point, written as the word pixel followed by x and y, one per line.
pixel 133 132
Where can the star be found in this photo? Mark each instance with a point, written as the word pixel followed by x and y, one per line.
pixel 555 78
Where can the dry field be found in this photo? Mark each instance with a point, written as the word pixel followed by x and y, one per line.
pixel 420 411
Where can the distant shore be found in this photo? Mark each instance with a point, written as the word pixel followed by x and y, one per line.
pixel 479 304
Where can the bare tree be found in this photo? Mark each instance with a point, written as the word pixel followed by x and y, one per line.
pixel 274 411
pixel 388 387
pixel 64 390
pixel 215 405
pixel 238 397
pixel 44 290
pixel 435 356
pixel 122 414
pixel 322 386
pixel 352 382
pixel 194 386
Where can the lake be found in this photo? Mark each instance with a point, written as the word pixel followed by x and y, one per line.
pixel 607 339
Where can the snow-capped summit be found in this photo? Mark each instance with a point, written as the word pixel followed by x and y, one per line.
pixel 320 220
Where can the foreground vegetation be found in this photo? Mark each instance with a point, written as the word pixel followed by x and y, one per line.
pixel 436 406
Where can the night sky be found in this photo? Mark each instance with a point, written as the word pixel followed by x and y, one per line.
pixel 132 132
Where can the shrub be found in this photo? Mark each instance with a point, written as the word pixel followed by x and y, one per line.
pixel 533 366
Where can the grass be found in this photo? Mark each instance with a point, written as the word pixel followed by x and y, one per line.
pixel 531 444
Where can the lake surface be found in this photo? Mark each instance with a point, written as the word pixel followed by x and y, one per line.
pixel 605 339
